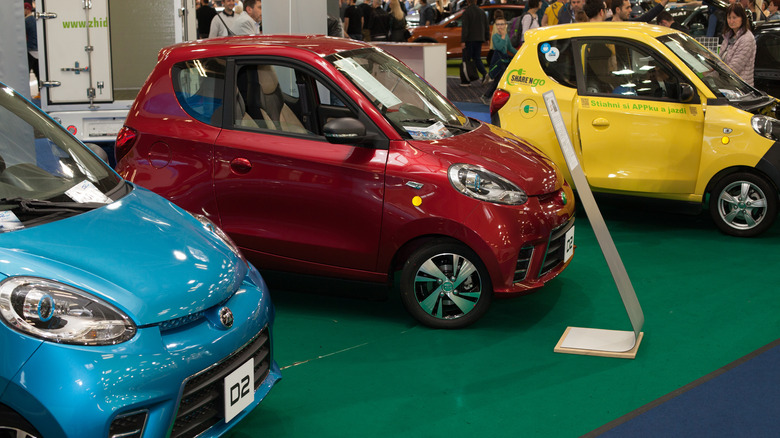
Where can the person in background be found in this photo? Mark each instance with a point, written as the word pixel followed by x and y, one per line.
pixel 754 11
pixel 596 10
pixel 379 22
pixel 473 33
pixel 31 34
pixel 552 12
pixel 353 21
pixel 738 49
pixel 223 23
pixel 773 10
pixel 442 10
pixel 498 15
pixel 666 19
pixel 365 8
pixel 250 21
pixel 621 11
pixel 204 13
pixel 502 54
pixel 397 22
pixel 543 4
pixel 530 19
pixel 568 13
pixel 335 29
pixel 427 14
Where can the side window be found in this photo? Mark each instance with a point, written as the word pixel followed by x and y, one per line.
pixel 557 61
pixel 270 97
pixel 768 51
pixel 616 68
pixel 199 86
pixel 329 105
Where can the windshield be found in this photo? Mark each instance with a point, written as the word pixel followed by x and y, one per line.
pixel 407 101
pixel 708 67
pixel 40 161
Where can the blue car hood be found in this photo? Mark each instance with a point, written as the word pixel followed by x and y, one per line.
pixel 141 253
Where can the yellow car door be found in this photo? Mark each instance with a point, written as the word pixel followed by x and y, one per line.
pixel 640 122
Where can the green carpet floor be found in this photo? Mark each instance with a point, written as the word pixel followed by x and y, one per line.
pixel 365 368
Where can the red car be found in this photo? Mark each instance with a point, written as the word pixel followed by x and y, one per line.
pixel 328 156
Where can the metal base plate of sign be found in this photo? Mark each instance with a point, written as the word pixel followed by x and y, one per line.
pixel 596 342
pixel 599 342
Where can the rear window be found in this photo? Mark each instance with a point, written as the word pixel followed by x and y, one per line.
pixel 557 61
pixel 199 86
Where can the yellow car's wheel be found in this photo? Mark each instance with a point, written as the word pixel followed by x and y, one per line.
pixel 743 204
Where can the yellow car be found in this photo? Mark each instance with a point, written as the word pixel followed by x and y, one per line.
pixel 651 113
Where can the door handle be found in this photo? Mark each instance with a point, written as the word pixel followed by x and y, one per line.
pixel 600 122
pixel 240 166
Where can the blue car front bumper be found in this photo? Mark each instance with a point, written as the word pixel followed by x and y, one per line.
pixel 79 391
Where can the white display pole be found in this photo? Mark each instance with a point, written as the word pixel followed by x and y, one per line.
pixel 588 341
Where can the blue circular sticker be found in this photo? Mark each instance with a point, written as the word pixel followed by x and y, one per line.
pixel 545 47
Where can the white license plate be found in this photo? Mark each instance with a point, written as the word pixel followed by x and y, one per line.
pixel 239 389
pixel 569 242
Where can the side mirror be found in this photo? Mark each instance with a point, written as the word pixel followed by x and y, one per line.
pixel 98 151
pixel 686 93
pixel 345 130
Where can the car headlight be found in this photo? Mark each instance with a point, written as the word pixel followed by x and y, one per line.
pixel 766 127
pixel 56 312
pixel 212 227
pixel 485 185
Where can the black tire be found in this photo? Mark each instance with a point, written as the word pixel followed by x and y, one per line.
pixel 743 204
pixel 445 285
pixel 425 40
pixel 13 425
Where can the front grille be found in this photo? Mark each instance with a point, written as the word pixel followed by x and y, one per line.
pixel 202 402
pixel 523 260
pixel 555 248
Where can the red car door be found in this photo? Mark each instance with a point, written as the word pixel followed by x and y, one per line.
pixel 285 193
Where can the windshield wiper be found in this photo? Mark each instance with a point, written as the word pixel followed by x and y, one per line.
pixel 432 121
pixel 27 205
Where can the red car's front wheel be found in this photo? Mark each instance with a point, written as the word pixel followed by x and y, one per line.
pixel 445 285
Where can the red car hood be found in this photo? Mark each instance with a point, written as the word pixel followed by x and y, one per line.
pixel 501 152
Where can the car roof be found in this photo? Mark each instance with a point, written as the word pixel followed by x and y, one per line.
pixel 319 45
pixel 600 29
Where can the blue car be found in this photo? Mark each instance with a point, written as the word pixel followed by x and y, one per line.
pixel 121 315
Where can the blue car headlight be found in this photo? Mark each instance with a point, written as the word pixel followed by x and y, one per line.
pixel 56 312
pixel 482 184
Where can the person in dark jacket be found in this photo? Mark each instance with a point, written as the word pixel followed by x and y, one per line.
pixel 666 19
pixel 353 21
pixel 204 13
pixel 379 23
pixel 474 32
pixel 621 11
pixel 397 22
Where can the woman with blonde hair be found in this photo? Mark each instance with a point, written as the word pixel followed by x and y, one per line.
pixel 397 22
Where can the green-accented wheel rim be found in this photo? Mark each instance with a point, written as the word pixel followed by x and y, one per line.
pixel 742 205
pixel 447 286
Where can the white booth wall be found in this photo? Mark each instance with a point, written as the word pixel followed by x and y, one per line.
pixel 14 70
